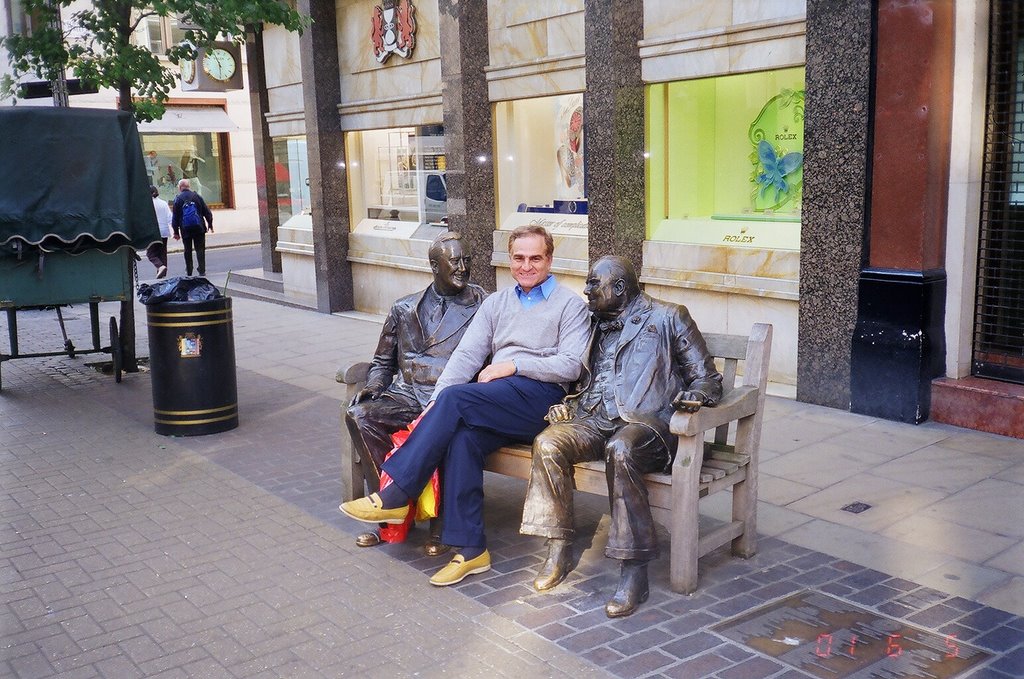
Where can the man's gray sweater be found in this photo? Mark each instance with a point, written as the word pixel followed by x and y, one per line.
pixel 546 341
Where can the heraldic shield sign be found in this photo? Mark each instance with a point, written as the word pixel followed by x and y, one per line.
pixel 394 29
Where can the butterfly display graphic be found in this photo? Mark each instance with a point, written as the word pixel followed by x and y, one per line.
pixel 776 170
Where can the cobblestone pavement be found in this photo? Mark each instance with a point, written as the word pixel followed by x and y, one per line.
pixel 124 553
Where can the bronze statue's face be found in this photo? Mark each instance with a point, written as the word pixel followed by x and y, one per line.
pixel 451 269
pixel 605 290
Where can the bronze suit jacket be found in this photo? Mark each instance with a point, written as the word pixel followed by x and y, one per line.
pixel 660 352
pixel 408 361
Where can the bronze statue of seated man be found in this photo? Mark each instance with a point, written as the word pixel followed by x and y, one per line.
pixel 420 332
pixel 646 359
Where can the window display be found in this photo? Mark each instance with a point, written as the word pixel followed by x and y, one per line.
pixel 198 157
pixel 539 147
pixel 291 168
pixel 397 179
pixel 725 160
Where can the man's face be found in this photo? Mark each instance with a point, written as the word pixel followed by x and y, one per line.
pixel 604 291
pixel 451 269
pixel 530 263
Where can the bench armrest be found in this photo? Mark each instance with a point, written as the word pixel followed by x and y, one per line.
pixel 738 403
pixel 352 373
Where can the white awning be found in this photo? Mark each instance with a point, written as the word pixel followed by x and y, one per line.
pixel 184 119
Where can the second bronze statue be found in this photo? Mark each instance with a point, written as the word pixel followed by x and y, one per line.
pixel 647 359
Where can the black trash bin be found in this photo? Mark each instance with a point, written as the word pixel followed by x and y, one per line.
pixel 192 364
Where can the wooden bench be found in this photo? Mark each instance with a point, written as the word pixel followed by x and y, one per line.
pixel 674 497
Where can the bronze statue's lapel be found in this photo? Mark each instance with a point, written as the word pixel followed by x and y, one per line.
pixel 456 316
pixel 634 319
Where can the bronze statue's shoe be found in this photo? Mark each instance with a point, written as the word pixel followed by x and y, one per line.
pixel 371 539
pixel 458 568
pixel 371 510
pixel 435 547
pixel 556 567
pixel 633 590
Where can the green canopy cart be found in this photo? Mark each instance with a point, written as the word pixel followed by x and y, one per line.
pixel 74 208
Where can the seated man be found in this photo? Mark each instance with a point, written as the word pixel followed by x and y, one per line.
pixel 534 335
pixel 647 358
pixel 419 334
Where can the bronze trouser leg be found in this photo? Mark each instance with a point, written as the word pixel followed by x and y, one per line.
pixel 631 452
pixel 548 510
pixel 370 424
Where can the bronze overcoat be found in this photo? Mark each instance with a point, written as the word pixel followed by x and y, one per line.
pixel 408 359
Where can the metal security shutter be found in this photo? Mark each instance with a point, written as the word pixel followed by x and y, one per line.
pixel 999 308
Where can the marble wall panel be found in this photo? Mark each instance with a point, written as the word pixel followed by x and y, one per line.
pixel 749 49
pixel 779 53
pixel 282 62
pixel 513 13
pixel 535 34
pixel 402 82
pixel 516 44
pixel 671 18
pixel 392 117
pixel 376 288
pixel 363 79
pixel 756 11
pixel 565 34
pixel 505 86
pixel 717 312
pixel 666 18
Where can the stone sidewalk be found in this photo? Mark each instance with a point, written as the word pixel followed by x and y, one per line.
pixel 124 553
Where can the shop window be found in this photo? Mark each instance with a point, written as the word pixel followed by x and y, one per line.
pixel 200 157
pixel 397 179
pixel 725 160
pixel 539 153
pixel 291 168
pixel 158 34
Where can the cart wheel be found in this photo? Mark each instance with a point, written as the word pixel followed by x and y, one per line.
pixel 69 347
pixel 115 349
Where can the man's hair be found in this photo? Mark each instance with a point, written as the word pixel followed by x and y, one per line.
pixel 153 191
pixel 184 184
pixel 436 250
pixel 532 230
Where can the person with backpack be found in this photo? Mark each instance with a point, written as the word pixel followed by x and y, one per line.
pixel 189 214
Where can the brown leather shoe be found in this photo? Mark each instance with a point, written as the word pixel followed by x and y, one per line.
pixel 435 547
pixel 556 567
pixel 633 590
pixel 370 539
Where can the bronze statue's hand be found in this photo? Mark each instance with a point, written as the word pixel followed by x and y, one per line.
pixel 366 393
pixel 688 401
pixel 560 412
pixel 496 371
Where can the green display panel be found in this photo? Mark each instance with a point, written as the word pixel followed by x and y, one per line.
pixel 65 278
pixel 725 159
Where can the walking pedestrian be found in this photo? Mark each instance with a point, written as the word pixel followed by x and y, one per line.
pixel 191 220
pixel 157 251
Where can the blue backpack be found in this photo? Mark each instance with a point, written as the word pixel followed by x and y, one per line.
pixel 190 214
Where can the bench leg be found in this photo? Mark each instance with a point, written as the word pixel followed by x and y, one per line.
pixel 684 529
pixel 352 485
pixel 744 493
